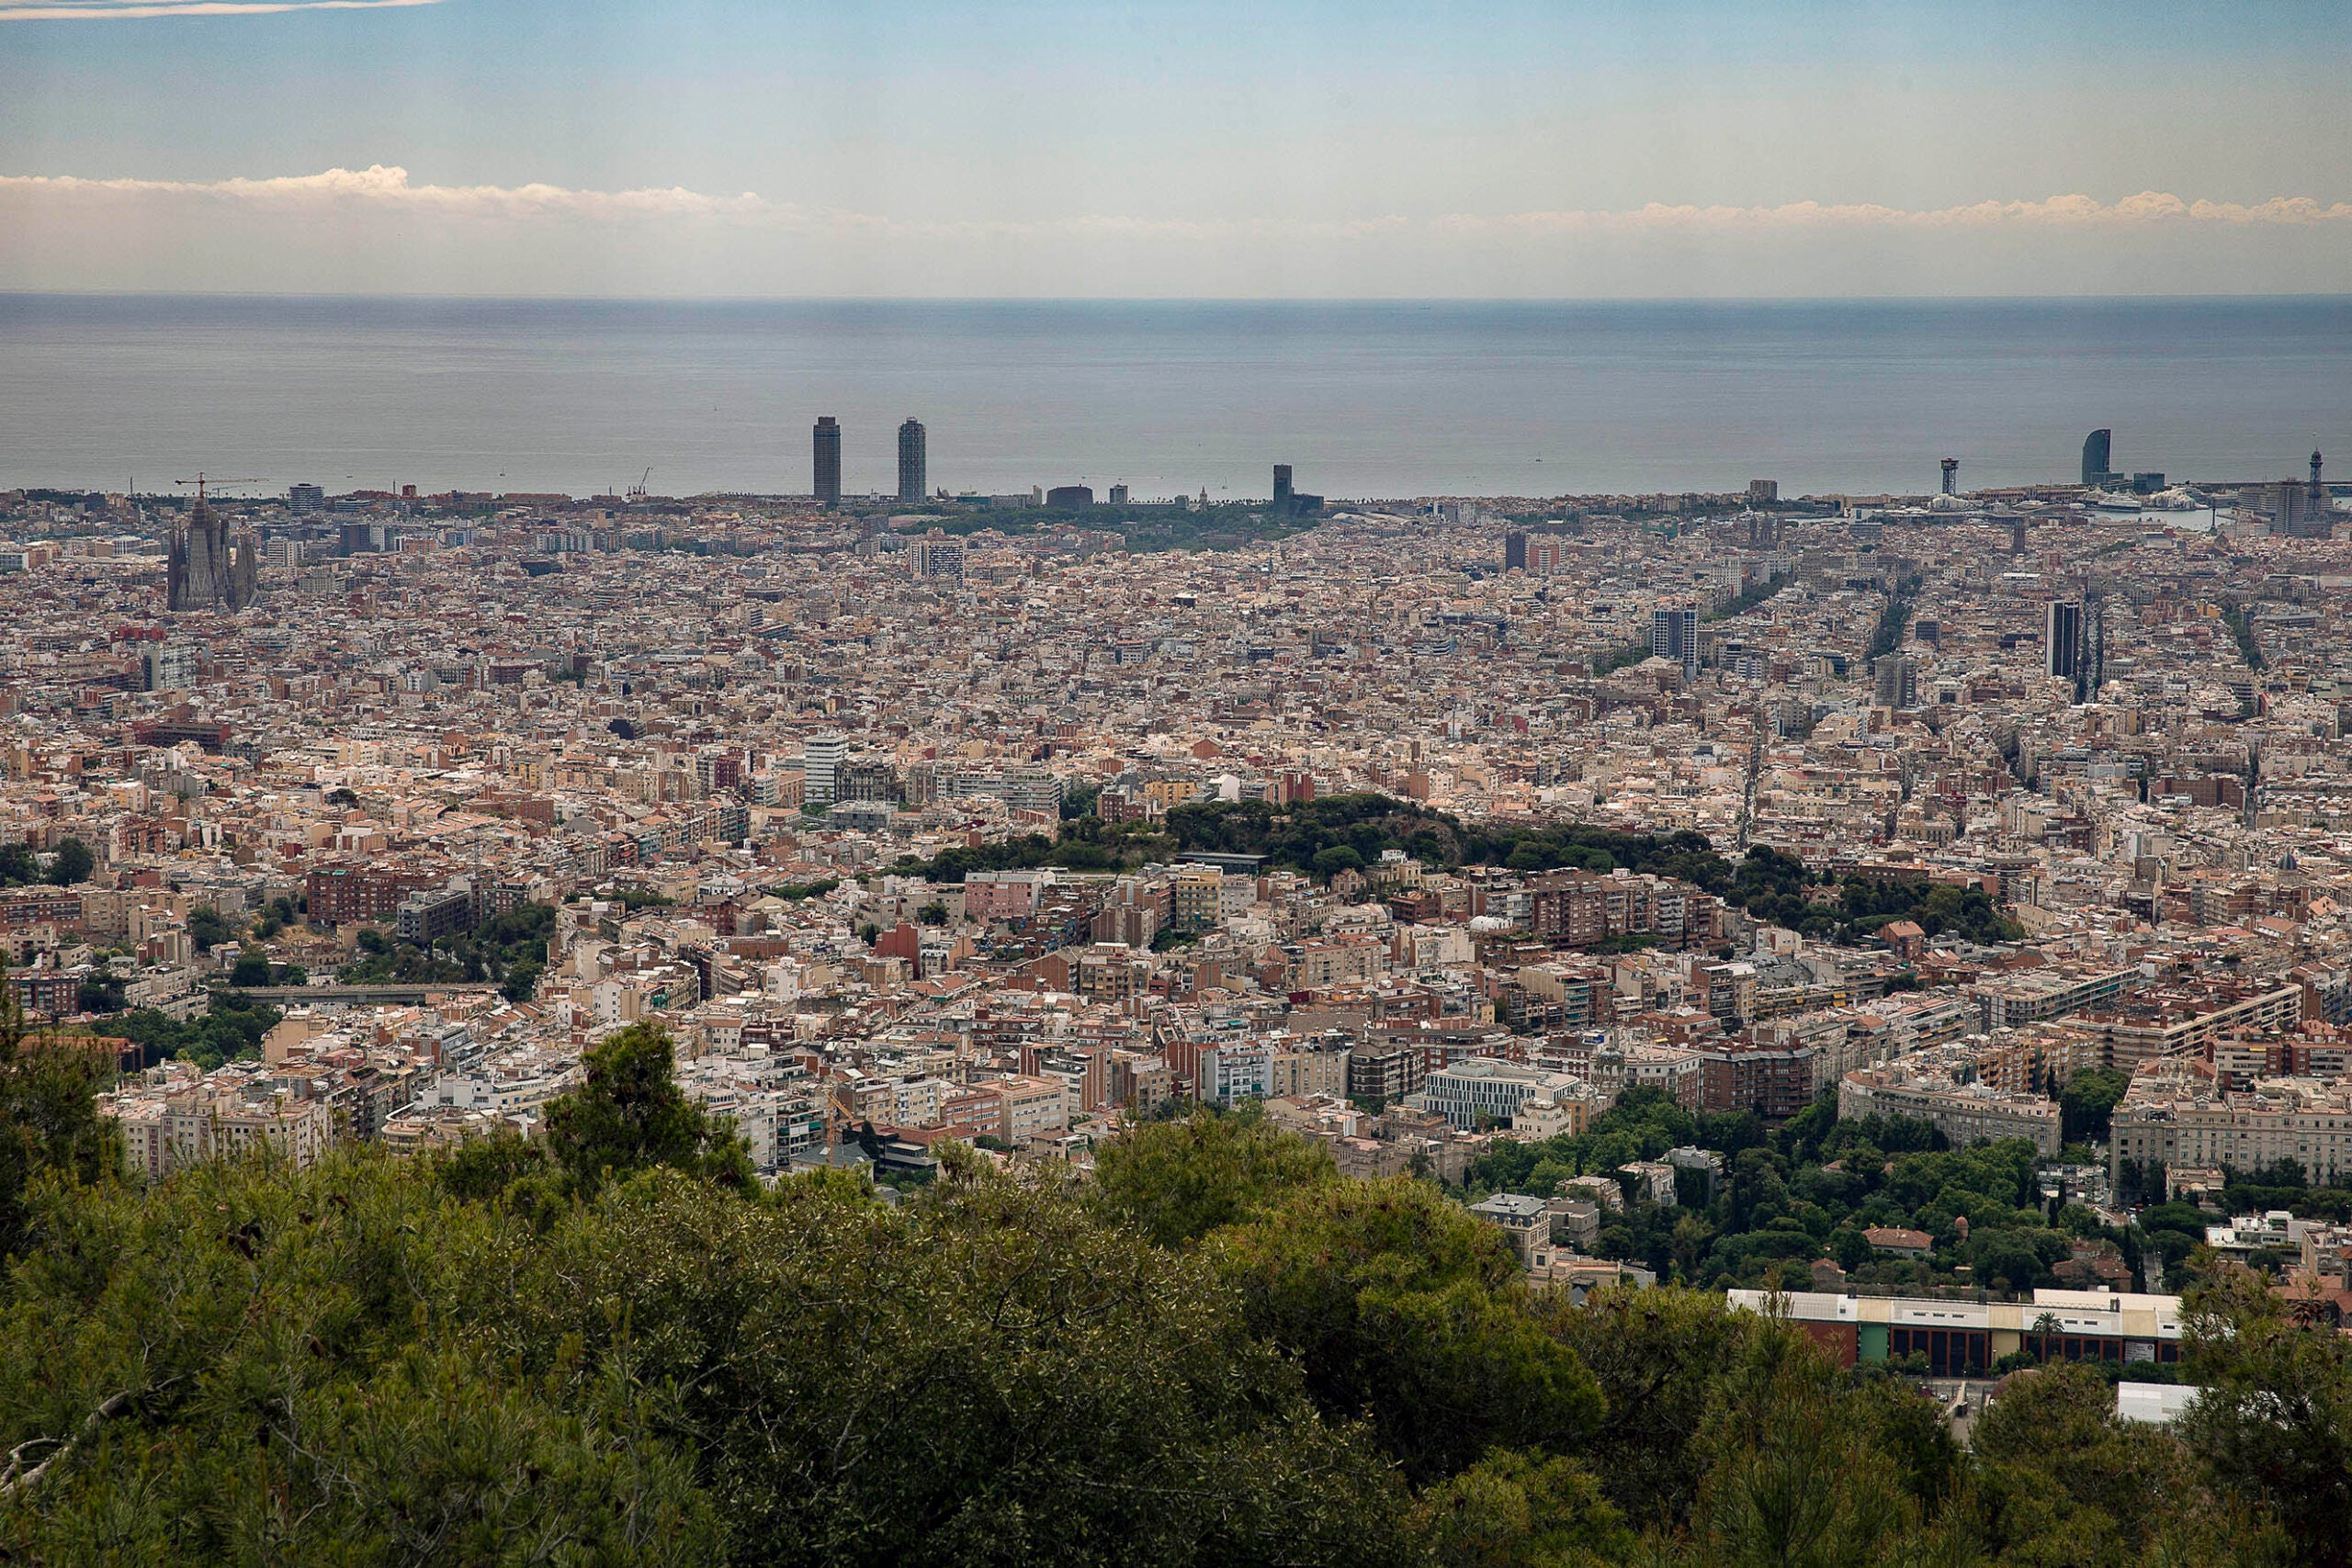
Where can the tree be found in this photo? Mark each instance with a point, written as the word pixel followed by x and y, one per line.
pixel 483 1169
pixel 522 982
pixel 2006 1259
pixel 361 1431
pixel 2045 1327
pixel 1514 1509
pixel 49 1118
pixel 1177 1181
pixel 1658 1356
pixel 207 929
pixel 631 1115
pixel 2273 1420
pixel 2059 1478
pixel 233 1028
pixel 252 969
pixel 932 914
pixel 101 992
pixel 1400 1305
pixel 987 1375
pixel 72 863
pixel 1330 863
pixel 2087 1104
pixel 1797 1467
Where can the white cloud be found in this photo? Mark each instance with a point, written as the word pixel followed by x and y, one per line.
pixel 389 187
pixel 2058 211
pixel 377 230
pixel 132 10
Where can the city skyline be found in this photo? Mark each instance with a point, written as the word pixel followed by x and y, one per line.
pixel 1200 783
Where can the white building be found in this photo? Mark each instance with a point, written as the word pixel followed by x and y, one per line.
pixel 1485 1090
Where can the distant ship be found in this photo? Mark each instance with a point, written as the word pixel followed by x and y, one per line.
pixel 2176 499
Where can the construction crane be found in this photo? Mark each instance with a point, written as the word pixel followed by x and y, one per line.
pixel 638 495
pixel 203 478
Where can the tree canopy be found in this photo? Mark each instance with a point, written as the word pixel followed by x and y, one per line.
pixel 612 1348
pixel 629 1116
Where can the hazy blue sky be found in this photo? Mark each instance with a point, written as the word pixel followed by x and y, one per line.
pixel 1277 147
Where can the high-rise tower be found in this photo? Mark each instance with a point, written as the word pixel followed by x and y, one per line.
pixel 1674 635
pixel 1897 676
pixel 2061 639
pixel 821 766
pixel 829 461
pixel 913 460
pixel 2098 456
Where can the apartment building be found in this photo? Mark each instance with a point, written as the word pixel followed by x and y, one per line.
pixel 1964 1112
pixel 1484 1091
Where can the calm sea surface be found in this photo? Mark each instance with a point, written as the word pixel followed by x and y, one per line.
pixel 1366 399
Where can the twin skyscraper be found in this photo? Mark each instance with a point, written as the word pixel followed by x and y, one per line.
pixel 914 461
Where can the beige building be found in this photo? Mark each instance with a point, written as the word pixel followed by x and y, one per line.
pixel 177 1120
pixel 1966 1113
pixel 2181 1121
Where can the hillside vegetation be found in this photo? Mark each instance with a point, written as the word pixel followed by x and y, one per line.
pixel 615 1348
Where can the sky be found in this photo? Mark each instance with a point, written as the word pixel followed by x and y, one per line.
pixel 1195 148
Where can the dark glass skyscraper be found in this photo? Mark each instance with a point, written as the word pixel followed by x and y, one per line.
pixel 913 460
pixel 2098 456
pixel 829 461
pixel 1674 635
pixel 2061 639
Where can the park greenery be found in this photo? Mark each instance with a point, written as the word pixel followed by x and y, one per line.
pixel 1748 598
pixel 2241 626
pixel 1895 620
pixel 230 1029
pixel 1617 658
pixel 1141 527
pixel 207 928
pixel 611 1345
pixel 1810 1189
pixel 1323 838
pixel 509 949
pixel 69 863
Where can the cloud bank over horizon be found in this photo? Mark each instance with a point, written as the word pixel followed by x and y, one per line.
pixel 150 10
pixel 379 229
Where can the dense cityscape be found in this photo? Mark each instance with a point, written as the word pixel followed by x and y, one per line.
pixel 1175 786
pixel 1635 875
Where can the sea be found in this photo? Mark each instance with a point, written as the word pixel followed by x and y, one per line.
pixel 1364 399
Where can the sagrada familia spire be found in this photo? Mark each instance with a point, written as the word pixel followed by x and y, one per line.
pixel 210 570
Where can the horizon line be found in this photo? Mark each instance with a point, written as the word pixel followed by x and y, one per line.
pixel 458 296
